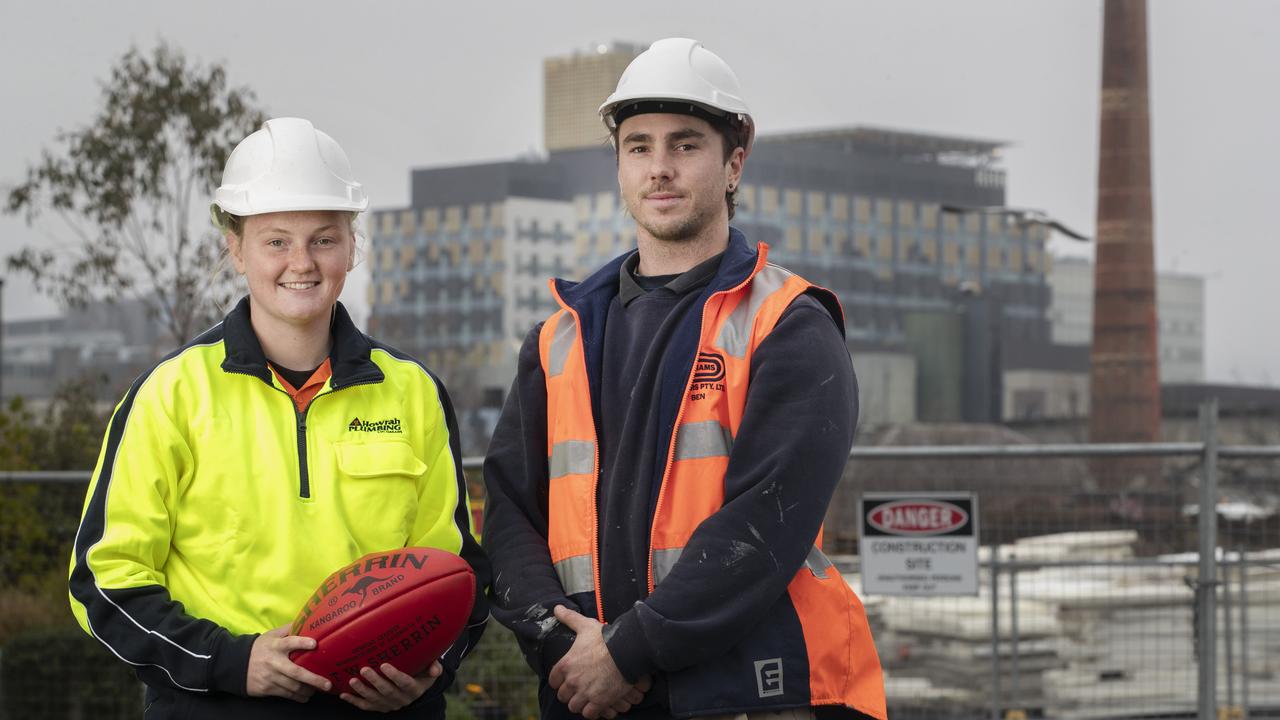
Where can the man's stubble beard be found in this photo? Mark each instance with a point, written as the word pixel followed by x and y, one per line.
pixel 683 230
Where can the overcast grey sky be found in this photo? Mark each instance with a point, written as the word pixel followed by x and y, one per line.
pixel 409 84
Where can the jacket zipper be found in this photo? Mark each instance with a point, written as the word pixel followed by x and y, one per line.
pixel 304 481
pixel 304 478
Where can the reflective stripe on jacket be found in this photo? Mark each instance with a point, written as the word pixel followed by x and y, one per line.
pixel 827 657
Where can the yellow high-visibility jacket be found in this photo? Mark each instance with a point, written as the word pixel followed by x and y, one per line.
pixel 216 507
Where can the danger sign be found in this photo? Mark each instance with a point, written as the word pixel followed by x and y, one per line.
pixel 919 544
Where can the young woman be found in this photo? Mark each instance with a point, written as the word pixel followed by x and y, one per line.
pixel 276 447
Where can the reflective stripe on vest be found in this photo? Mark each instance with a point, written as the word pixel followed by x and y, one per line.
pixel 663 560
pixel 572 456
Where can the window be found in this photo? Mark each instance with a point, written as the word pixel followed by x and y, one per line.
pixel 582 206
pixel 972 255
pixel 907 213
pixel 1015 259
pixel 452 219
pixel 951 254
pixel 817 204
pixel 793 239
pixel 929 248
pixel 794 200
pixel 604 242
pixel 840 207
pixel 863 242
pixel 431 220
pixel 407 224
pixel 406 256
pixel 496 215
pixel 905 246
pixel 388 221
pixel 884 211
pixel 769 200
pixel 604 205
pixel 929 216
pixel 950 224
pixel 475 216
pixel 840 241
pixel 885 245
pixel 818 242
pixel 862 209
pixel 747 197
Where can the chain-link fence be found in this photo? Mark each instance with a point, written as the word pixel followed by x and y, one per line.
pixel 1095 559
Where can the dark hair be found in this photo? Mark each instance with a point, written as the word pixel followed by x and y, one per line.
pixel 731 137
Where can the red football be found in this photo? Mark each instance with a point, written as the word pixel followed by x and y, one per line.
pixel 404 607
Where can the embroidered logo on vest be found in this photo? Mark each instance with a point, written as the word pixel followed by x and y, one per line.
pixel 769 677
pixel 708 375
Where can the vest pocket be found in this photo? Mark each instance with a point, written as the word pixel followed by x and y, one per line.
pixel 378 489
pixel 380 459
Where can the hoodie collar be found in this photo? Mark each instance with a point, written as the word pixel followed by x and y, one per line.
pixel 349 356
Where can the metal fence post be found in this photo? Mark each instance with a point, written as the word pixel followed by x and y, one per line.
pixel 1013 631
pixel 1228 633
pixel 996 709
pixel 1244 629
pixel 1206 585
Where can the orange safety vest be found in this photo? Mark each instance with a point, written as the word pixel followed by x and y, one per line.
pixel 843 666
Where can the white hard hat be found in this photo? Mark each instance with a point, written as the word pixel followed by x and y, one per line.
pixel 288 165
pixel 680 69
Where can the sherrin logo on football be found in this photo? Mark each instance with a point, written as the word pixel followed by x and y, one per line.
pixel 404 607
pixel 917 517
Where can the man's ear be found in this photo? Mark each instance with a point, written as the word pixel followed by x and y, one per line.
pixel 737 159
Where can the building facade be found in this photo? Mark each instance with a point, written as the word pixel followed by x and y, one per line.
pixel 107 344
pixel 573 86
pixel 460 276
pixel 1179 307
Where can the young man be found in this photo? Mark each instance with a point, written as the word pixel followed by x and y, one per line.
pixel 658 479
